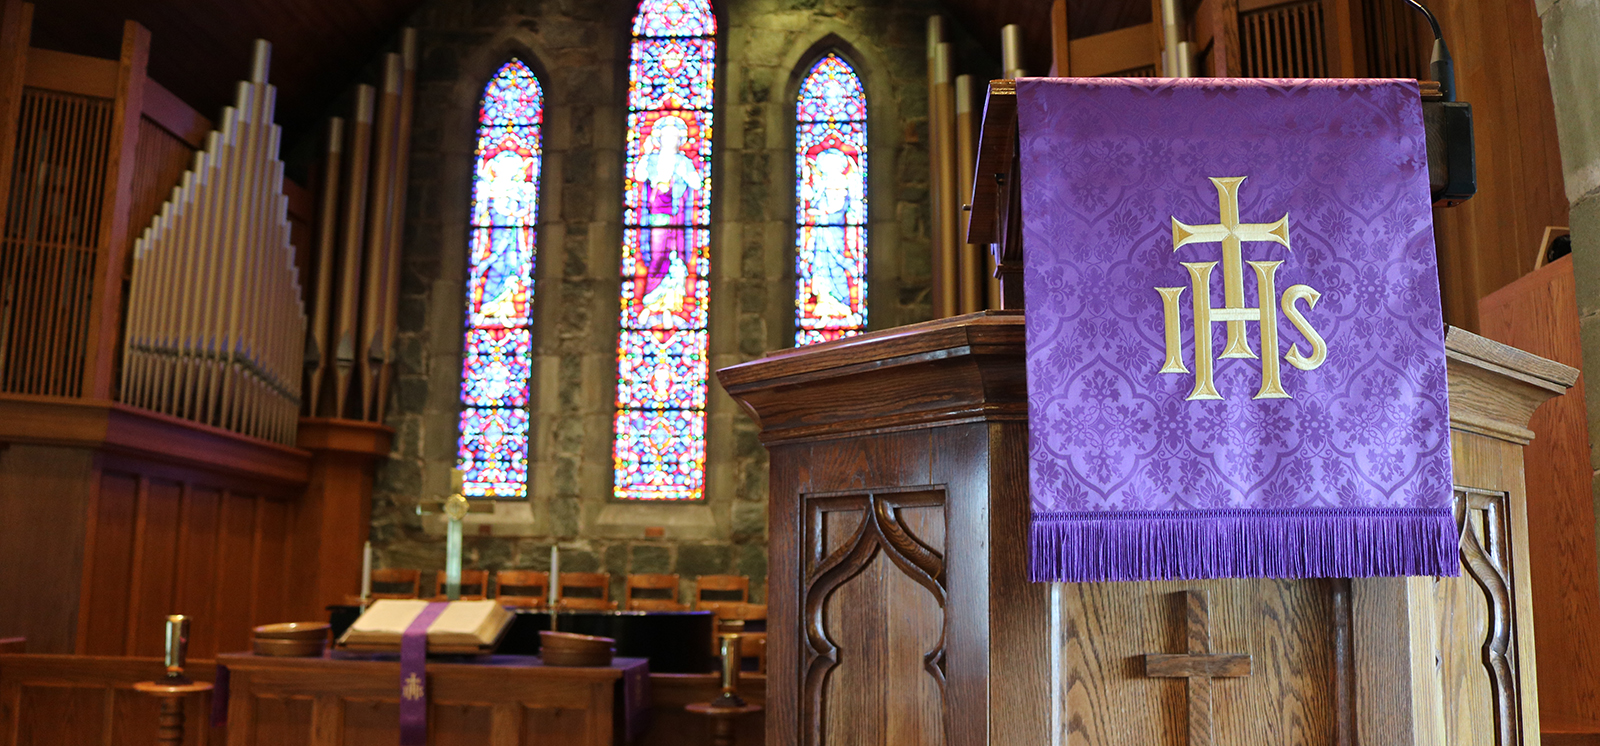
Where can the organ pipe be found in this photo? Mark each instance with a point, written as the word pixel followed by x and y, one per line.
pixel 215 320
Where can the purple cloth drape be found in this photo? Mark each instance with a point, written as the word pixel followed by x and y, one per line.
pixel 1317 445
pixel 414 676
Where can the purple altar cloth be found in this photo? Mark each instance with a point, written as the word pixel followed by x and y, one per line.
pixel 414 676
pixel 1313 438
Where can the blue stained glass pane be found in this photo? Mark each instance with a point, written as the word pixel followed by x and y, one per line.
pixel 498 351
pixel 831 204
pixel 662 369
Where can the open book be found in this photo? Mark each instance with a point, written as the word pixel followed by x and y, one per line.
pixel 462 624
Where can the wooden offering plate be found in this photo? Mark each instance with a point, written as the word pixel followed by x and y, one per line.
pixel 291 639
pixel 568 649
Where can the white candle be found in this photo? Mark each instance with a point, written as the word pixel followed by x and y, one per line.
pixel 366 572
pixel 555 574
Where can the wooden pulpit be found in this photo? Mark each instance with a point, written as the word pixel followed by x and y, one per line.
pixel 899 606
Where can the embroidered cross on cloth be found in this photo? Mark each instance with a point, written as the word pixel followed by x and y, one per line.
pixel 1235 342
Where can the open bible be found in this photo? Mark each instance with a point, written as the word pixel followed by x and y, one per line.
pixel 463 626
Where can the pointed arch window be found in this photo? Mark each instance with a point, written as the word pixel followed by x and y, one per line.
pixel 659 449
pixel 831 190
pixel 498 351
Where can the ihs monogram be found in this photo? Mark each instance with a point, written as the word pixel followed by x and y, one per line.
pixel 413 688
pixel 1231 233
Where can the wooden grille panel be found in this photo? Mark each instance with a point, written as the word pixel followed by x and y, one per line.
pixel 1283 41
pixel 158 165
pixel 1393 44
pixel 48 241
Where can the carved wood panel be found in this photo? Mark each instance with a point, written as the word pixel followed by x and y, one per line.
pixel 1297 632
pixel 873 618
pixel 1479 613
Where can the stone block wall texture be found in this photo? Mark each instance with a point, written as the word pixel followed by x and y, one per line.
pixel 1572 54
pixel 579 50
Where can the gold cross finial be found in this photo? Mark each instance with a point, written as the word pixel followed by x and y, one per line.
pixel 1229 232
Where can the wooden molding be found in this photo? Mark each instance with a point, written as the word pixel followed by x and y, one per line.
pixel 118 428
pixel 353 437
pixel 1495 388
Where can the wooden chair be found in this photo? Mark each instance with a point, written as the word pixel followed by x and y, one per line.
pixel 660 593
pixel 754 645
pixel 474 585
pixel 523 589
pixel 724 589
pixel 596 581
pixel 408 582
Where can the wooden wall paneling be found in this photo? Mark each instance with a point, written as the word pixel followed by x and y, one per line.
pixel 16 27
pixel 1224 24
pixel 45 497
pixel 170 113
pixel 784 576
pixel 196 573
pixel 104 324
pixel 108 572
pixel 155 567
pixel 267 567
pixel 60 699
pixel 231 605
pixel 333 515
pixel 1126 51
pixel 159 164
pixel 1490 240
pixel 1342 38
pixel 1539 313
pixel 1020 644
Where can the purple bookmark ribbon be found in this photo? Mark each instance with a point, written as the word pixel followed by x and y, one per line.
pixel 414 677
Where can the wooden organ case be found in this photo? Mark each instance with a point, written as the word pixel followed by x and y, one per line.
pixel 900 610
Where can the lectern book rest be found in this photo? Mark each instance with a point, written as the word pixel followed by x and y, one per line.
pixel 459 626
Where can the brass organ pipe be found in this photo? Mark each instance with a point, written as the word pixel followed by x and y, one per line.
pixel 397 217
pixel 949 241
pixel 350 262
pixel 217 267
pixel 935 193
pixel 327 223
pixel 225 314
pixel 187 382
pixel 378 211
pixel 971 255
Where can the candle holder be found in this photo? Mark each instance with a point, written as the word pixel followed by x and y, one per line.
pixel 730 673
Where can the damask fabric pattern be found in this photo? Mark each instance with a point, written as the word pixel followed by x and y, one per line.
pixel 1319 446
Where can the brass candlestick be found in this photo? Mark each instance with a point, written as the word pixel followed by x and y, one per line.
pixel 177 647
pixel 730 673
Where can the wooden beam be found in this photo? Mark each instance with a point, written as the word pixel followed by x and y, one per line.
pixel 16 23
pixel 73 73
pixel 105 315
pixel 1060 41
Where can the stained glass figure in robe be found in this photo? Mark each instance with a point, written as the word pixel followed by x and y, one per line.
pixel 831 189
pixel 662 368
pixel 497 355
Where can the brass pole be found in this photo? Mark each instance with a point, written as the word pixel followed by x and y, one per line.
pixel 936 206
pixel 350 262
pixel 971 255
pixel 378 209
pixel 397 216
pixel 949 202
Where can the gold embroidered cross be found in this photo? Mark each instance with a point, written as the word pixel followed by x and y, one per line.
pixel 413 688
pixel 1231 233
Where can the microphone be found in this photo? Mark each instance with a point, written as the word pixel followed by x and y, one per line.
pixel 1439 65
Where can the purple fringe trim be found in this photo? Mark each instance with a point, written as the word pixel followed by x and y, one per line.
pixel 1083 547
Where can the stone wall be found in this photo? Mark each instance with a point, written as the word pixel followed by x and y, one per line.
pixel 578 48
pixel 1572 53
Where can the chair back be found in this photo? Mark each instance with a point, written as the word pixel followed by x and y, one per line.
pixel 474 585
pixel 396 582
pixel 593 586
pixel 720 589
pixel 754 645
pixel 652 588
pixel 523 589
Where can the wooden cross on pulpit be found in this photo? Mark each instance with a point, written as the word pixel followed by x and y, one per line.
pixel 1199 666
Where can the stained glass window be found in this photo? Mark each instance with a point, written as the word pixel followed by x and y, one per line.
pixel 831 186
pixel 499 343
pixel 660 450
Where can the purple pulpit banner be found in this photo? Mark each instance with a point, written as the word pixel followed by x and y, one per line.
pixel 1235 344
